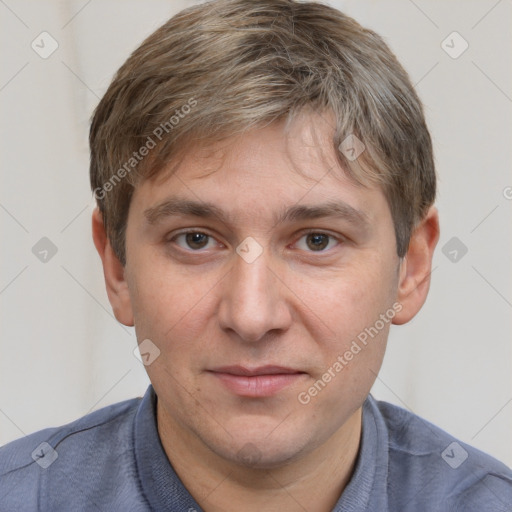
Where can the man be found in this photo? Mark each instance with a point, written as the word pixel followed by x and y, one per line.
pixel 265 187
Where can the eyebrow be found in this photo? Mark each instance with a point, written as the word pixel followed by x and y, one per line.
pixel 186 207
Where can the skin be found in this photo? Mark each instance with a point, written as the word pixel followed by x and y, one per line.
pixel 296 306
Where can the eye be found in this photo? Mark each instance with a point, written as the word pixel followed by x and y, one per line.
pixel 313 241
pixel 194 240
pixel 316 241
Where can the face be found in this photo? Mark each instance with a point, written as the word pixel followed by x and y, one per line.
pixel 258 283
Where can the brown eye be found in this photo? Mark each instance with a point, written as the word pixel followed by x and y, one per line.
pixel 194 240
pixel 316 242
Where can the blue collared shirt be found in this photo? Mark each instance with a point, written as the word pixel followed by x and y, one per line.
pixel 113 460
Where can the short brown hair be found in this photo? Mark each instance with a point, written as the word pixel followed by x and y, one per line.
pixel 226 66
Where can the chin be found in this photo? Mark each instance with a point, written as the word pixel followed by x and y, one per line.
pixel 262 456
pixel 259 451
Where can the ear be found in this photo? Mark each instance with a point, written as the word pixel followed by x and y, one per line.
pixel 114 272
pixel 415 269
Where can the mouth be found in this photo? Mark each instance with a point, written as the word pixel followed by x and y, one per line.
pixel 262 381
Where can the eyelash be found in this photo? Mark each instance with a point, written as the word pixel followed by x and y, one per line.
pixel 339 239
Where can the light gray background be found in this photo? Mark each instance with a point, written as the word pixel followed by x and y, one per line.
pixel 62 353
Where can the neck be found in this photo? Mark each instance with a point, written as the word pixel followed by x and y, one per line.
pixel 314 481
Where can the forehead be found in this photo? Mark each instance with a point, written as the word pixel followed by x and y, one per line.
pixel 302 142
pixel 262 170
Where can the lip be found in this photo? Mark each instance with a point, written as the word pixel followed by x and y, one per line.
pixel 262 381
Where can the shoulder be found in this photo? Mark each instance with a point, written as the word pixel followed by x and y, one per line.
pixel 428 465
pixel 94 427
pixel 67 459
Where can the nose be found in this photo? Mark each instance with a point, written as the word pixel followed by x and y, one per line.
pixel 254 301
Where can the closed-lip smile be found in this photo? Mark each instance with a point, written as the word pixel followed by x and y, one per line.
pixel 256 382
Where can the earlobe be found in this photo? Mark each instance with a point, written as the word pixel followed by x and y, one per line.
pixel 113 271
pixel 416 267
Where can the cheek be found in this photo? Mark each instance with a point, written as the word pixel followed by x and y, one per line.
pixel 348 300
pixel 170 308
pixel 352 338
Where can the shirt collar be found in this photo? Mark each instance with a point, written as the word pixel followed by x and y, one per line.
pixel 367 488
pixel 163 490
pixel 161 486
